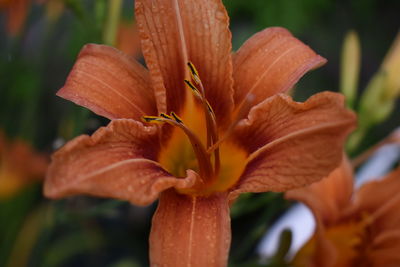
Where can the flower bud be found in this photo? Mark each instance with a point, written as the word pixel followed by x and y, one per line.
pixel 350 67
pixel 391 65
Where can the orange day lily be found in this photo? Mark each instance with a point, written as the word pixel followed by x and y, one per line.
pixel 198 127
pixel 359 228
pixel 19 166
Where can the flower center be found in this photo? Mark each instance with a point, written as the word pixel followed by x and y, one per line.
pixel 195 145
pixel 349 239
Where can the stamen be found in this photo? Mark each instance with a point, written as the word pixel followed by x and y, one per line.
pixel 194 72
pixel 206 170
pixel 228 132
pixel 239 115
pixel 177 119
pixel 203 159
pixel 165 116
pixel 151 119
pixel 194 89
pixel 216 145
pixel 210 110
pixel 212 129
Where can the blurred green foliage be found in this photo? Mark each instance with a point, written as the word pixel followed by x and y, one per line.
pixel 86 231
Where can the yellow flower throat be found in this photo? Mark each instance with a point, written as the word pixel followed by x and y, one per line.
pixel 196 144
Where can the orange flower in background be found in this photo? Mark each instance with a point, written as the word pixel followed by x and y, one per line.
pixel 197 128
pixel 128 40
pixel 19 166
pixel 359 228
pixel 16 12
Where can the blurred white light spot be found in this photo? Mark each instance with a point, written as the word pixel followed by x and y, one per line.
pixel 379 164
pixel 299 220
pixel 59 142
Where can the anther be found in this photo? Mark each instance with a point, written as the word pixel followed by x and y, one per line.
pixel 194 89
pixel 151 119
pixel 165 116
pixel 210 110
pixel 177 119
pixel 194 72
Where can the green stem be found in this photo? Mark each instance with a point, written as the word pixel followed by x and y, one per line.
pixel 113 17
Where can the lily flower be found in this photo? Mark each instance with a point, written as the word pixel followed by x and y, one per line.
pixel 354 228
pixel 20 166
pixel 198 127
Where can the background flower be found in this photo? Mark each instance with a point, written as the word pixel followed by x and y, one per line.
pixel 353 229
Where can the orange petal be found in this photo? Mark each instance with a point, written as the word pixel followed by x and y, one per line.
pixel 20 157
pixel 384 206
pixel 4 3
pixel 190 231
pixel 382 190
pixel 109 83
pixel 174 32
pixel 116 161
pixel 128 39
pixel 292 144
pixel 270 62
pixel 328 197
pixel 385 249
pixel 25 160
pixel 20 166
pixel 319 251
